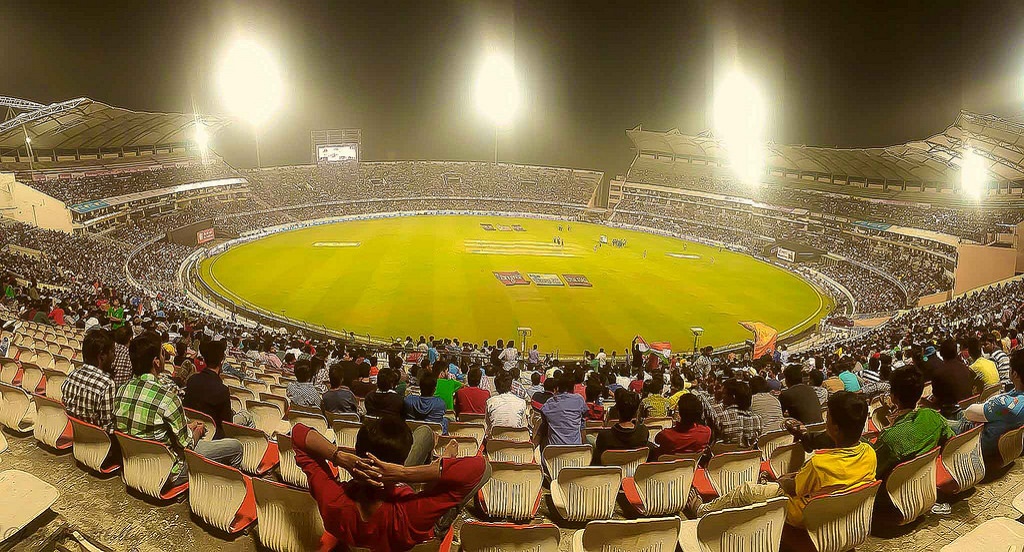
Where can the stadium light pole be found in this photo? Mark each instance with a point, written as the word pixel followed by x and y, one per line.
pixel 251 85
pixel 973 174
pixel 740 122
pixel 497 93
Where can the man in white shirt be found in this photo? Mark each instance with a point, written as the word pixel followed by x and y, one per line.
pixel 602 359
pixel 510 356
pixel 505 409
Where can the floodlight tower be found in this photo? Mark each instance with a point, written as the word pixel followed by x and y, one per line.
pixel 250 84
pixel 740 121
pixel 497 93
pixel 973 174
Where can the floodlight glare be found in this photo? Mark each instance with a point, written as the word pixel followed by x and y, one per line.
pixel 250 82
pixel 28 140
pixel 740 122
pixel 201 137
pixel 973 174
pixel 497 90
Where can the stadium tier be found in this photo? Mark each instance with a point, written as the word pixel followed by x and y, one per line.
pixel 121 270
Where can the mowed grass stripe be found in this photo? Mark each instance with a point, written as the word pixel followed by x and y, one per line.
pixel 414 275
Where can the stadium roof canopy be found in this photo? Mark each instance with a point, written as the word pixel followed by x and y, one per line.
pixel 85 124
pixel 999 142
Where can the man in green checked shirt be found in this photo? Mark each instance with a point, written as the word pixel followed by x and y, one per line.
pixel 145 409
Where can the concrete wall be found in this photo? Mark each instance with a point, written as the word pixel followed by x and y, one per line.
pixel 26 204
pixel 978 265
pixel 933 299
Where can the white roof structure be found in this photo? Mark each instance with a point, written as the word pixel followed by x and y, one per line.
pixel 936 159
pixel 82 124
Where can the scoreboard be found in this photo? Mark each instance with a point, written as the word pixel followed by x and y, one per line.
pixel 336 145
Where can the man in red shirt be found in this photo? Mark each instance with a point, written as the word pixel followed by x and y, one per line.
pixel 471 399
pixel 377 509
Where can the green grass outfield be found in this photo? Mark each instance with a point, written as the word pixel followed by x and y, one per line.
pixel 434 275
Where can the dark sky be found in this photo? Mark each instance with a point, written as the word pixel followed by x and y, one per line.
pixel 835 73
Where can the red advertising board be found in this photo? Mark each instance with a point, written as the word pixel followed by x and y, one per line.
pixel 205 235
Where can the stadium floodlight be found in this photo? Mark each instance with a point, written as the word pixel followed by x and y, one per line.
pixel 497 93
pixel 200 137
pixel 973 174
pixel 740 122
pixel 250 84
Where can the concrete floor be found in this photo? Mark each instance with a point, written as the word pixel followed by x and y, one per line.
pixel 102 511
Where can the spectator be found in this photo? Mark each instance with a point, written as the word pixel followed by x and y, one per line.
pixel 426 407
pixel 206 393
pixel 765 405
pixel 688 434
pixel 122 366
pixel 88 393
pixel 146 410
pixel 563 416
pixel 654 405
pixel 625 434
pixel 510 356
pixel 799 400
pixel 952 381
pixel 362 386
pixel 471 399
pixel 851 382
pixel 550 388
pixel 595 412
pixel 446 386
pixel 303 392
pixel 1001 413
pixel 914 431
pixel 505 409
pixel 817 379
pixel 985 372
pixel 993 348
pixel 340 398
pixel 385 401
pixel 732 420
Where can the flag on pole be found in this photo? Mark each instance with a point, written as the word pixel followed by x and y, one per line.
pixel 660 348
pixel 765 338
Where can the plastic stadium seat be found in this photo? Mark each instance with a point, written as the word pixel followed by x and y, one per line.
pixel 656 426
pixel 197 416
pixel 289 519
pixel 468 429
pixel 467 446
pixel 437 428
pixel 628 460
pixel 147 467
pixel 259 454
pixel 267 417
pixel 655 534
pixel 32 378
pixel 990 391
pixel 556 457
pixel 342 417
pixel 312 420
pixel 584 494
pixel 520 434
pixel 841 521
pixel 288 469
pixel 345 433
pixel 219 495
pixel 695 456
pixel 277 400
pixel 911 486
pixel 241 393
pixel 477 536
pixel 999 533
pixel 513 491
pixel 17 411
pixel 785 459
pixel 93 447
pixel 256 386
pixel 756 528
pixel 1011 444
pixel 472 418
pixel 726 472
pixel 52 428
pixel 230 380
pixel 26 497
pixel 54 381
pixel 660 488
pixel 44 359
pixel 768 442
pixel 3 442
pixel 501 450
pixel 10 372
pixel 961 465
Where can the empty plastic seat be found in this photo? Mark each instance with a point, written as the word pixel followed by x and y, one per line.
pixel 500 450
pixel 25 497
pixel 660 488
pixel 468 429
pixel 267 417
pixel 93 447
pixel 584 494
pixel 10 371
pixel 999 533
pixel 472 418
pixel 961 465
pixel 520 434
pixel 768 442
pixel 219 495
pixel 231 381
pixel 513 492
pixel 655 534
pixel 32 379
pixel 755 528
pixel 17 411
pixel 785 459
pixel 342 417
pixel 725 472
pixel 345 433
pixel 1010 444
pixel 556 457
pixel 54 380
pixel 256 386
pixel 841 521
pixel 44 359
pixel 52 428
pixel 628 460
pixel 259 454
pixel 312 420
pixel 280 401
pixel 477 536
pixel 911 486
pixel 467 446
pixel 289 518
pixel 147 467
pixel 207 421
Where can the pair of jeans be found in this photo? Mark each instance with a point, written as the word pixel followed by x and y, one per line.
pixel 422 446
pixel 222 451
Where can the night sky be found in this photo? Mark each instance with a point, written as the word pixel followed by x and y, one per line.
pixel 838 74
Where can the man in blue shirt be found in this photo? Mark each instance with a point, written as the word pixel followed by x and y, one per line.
pixel 1001 413
pixel 850 380
pixel 426 407
pixel 563 416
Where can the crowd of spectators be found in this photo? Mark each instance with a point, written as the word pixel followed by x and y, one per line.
pixel 79 187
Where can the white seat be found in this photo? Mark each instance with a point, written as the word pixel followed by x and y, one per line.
pixel 841 521
pixel 660 488
pixel 584 494
pixel 654 534
pixel 17 411
pixel 995 534
pixel 92 447
pixel 756 528
pixel 628 460
pixel 25 497
pixel 52 428
pixel 513 491
pixel 500 450
pixel 477 536
pixel 219 495
pixel 911 486
pixel 557 457
pixel 289 519
pixel 147 467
